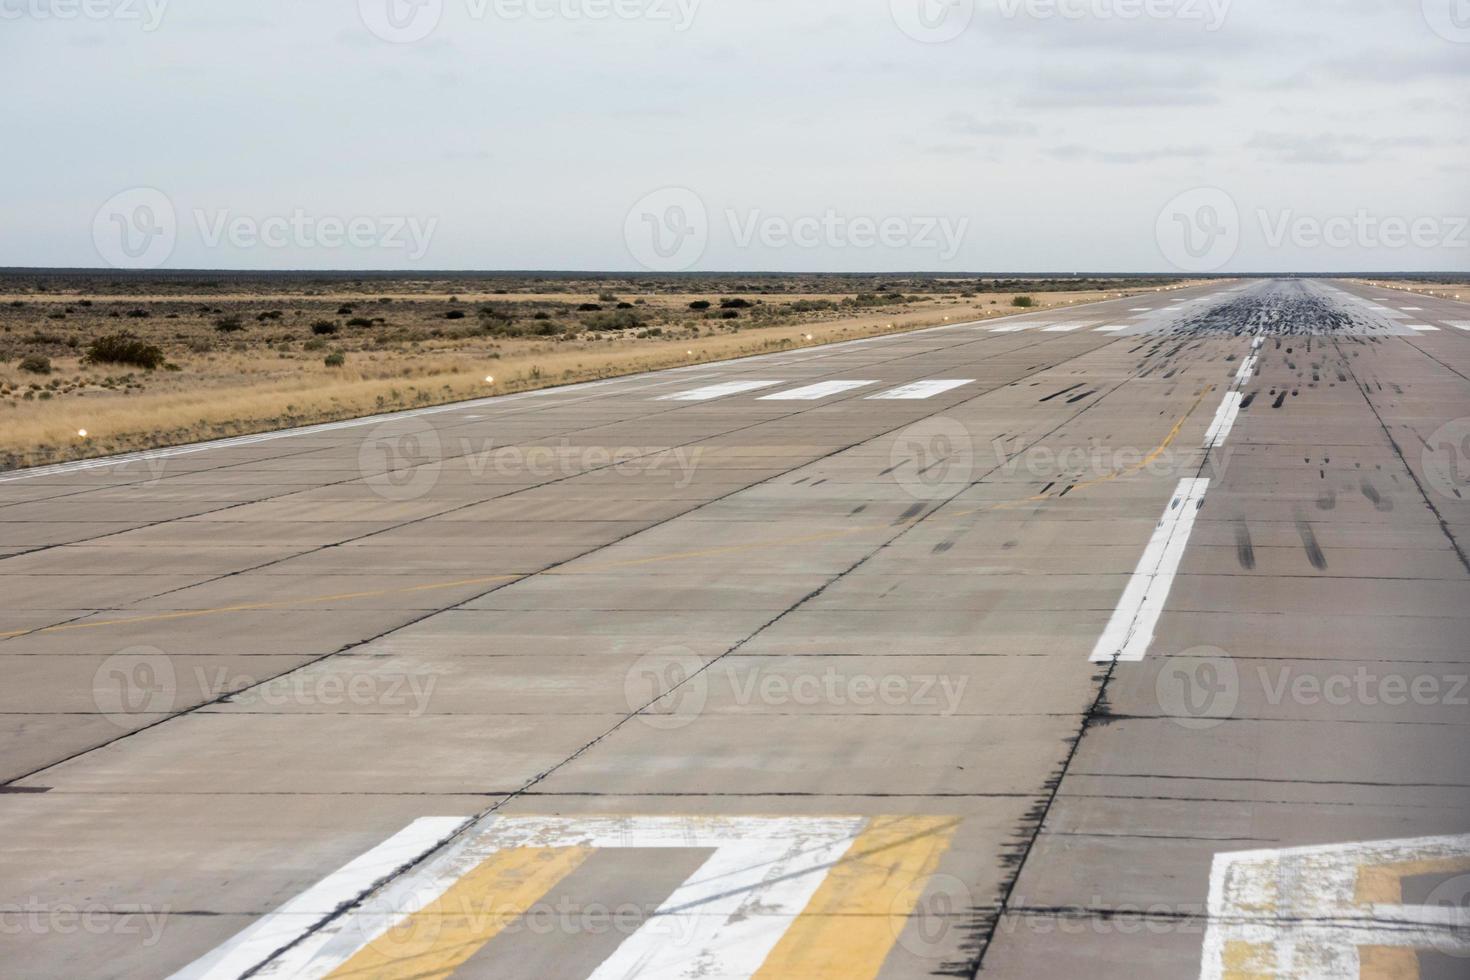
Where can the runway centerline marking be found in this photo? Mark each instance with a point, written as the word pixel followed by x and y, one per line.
pixel 1130 631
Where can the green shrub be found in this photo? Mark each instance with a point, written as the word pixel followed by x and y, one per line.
pixel 335 360
pixel 1024 301
pixel 324 328
pixel 454 315
pixel 359 321
pixel 36 364
pixel 620 320
pixel 124 348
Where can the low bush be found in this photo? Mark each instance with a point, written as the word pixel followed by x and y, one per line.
pixel 1023 301
pixel 324 328
pixel 229 324
pixel 36 364
pixel 335 359
pixel 124 348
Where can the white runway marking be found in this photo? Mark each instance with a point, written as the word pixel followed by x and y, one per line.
pixel 292 920
pixel 920 390
pixel 1142 309
pixel 1064 328
pixel 1115 328
pixel 1307 913
pixel 1247 370
pixel 1412 309
pixel 1224 420
pixel 710 392
pixel 812 393
pixel 1459 324
pixel 1422 327
pixel 1013 328
pixel 1131 629
pixel 731 912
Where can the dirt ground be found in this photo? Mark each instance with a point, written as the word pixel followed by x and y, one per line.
pixel 185 357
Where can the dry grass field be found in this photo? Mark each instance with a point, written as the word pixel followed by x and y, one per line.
pixel 98 363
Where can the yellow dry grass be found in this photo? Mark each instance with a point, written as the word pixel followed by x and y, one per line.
pixel 240 392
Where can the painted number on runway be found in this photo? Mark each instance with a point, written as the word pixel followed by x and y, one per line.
pixel 1339 912
pixel 774 897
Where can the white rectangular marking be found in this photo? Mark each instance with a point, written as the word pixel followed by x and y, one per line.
pixel 1064 328
pixel 1013 328
pixel 720 390
pixel 920 390
pixel 811 393
pixel 1115 328
pixel 1412 309
pixel 1422 327
pixel 1459 324
pixel 1224 420
pixel 1131 629
pixel 1247 370
pixel 289 922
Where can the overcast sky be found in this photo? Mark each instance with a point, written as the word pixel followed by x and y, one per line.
pixel 828 135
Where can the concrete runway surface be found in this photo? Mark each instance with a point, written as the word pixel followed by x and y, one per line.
pixel 1126 640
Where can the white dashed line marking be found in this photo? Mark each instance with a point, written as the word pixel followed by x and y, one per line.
pixel 920 390
pixel 811 393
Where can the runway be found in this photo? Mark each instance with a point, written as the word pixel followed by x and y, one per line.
pixel 1122 640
